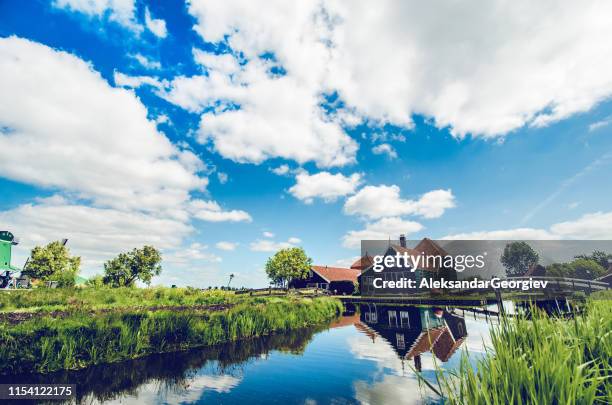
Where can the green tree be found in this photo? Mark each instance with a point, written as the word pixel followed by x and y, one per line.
pixel 53 263
pixel 288 264
pixel 586 269
pixel 518 257
pixel 602 258
pixel 138 264
pixel 559 270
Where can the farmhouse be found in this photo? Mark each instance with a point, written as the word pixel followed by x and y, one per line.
pixel 425 247
pixel 338 280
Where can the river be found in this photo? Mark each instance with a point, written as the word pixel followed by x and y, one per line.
pixel 369 357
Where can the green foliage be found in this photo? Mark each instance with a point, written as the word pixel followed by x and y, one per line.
pixel 47 344
pixel 288 264
pixel 544 360
pixel 64 299
pixel 586 269
pixel 518 257
pixel 602 258
pixel 53 263
pixel 139 264
pixel 96 281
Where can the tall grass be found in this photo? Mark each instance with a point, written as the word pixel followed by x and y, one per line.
pixel 46 344
pixel 543 360
pixel 47 299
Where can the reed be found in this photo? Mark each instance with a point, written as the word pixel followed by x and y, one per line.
pixel 47 343
pixel 543 360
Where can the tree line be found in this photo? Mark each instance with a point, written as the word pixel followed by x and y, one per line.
pixel 54 263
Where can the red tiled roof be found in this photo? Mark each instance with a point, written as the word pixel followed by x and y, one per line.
pixel 446 345
pixel 362 263
pixel 424 342
pixel 336 273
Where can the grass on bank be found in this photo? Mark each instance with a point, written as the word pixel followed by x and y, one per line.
pixel 543 360
pixel 53 299
pixel 47 344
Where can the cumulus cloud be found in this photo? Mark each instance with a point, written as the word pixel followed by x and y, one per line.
pixel 384 228
pixel 96 234
pixel 119 11
pixel 124 80
pixel 118 181
pixel 156 26
pixel 223 177
pixel 281 170
pixel 268 245
pixel 196 252
pixel 385 201
pixel 594 226
pixel 211 211
pixel 224 245
pixel 481 68
pixel 267 234
pixel 96 140
pixel 256 116
pixel 600 124
pixel 385 149
pixel 324 185
pixel 145 62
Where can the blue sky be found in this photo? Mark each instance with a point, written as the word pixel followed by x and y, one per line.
pixel 221 132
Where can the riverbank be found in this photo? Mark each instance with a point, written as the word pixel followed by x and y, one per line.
pixel 542 360
pixel 136 327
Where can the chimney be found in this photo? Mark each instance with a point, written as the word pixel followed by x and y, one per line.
pixel 403 240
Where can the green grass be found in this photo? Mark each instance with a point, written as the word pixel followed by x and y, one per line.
pixel 544 360
pixel 46 344
pixel 49 299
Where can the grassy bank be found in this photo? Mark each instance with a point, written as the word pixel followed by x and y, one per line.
pixel 543 360
pixel 77 340
pixel 58 299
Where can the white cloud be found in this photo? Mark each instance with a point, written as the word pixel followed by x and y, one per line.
pixel 324 185
pixel 481 68
pixel 596 226
pixel 156 26
pixel 278 116
pixel 124 80
pixel 384 228
pixel 96 140
pixel 267 234
pixel 96 234
pixel 600 124
pixel 195 252
pixel 385 201
pixel 385 149
pixel 211 211
pixel 224 245
pixel 280 170
pixel 223 63
pixel 120 11
pixel 223 177
pixel 268 245
pixel 146 62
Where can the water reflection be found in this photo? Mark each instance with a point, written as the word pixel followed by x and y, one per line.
pixel 413 331
pixel 367 357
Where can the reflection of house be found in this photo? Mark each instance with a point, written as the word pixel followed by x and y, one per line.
pixel 413 331
pixel 335 279
pixel 425 247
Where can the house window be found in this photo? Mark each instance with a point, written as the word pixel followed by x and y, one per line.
pixel 392 318
pixel 399 338
pixel 405 319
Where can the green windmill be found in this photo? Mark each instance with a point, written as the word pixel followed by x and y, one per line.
pixel 7 241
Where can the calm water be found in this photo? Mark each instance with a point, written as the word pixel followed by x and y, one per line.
pixel 365 358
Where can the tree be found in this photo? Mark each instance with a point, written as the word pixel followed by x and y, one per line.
pixel 586 269
pixel 53 263
pixel 139 264
pixel 518 257
pixel 559 270
pixel 288 264
pixel 602 258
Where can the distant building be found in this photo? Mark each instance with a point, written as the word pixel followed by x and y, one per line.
pixel 337 280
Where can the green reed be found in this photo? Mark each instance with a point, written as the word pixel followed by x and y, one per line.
pixel 46 344
pixel 542 360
